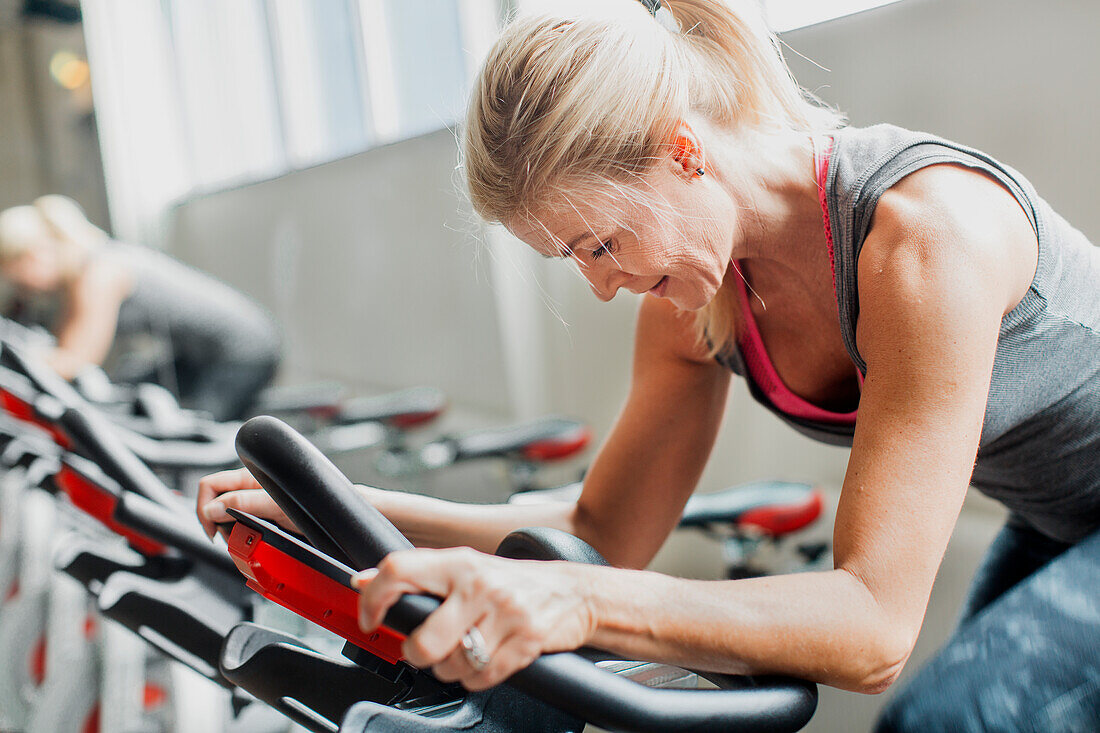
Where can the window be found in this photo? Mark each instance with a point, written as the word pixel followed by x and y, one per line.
pixel 237 90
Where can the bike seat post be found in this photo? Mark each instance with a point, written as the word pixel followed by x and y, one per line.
pixel 739 549
pixel 521 474
pixel 395 438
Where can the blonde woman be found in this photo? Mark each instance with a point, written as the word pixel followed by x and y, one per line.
pixel 221 347
pixel 923 305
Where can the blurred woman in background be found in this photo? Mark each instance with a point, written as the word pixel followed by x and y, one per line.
pixel 212 345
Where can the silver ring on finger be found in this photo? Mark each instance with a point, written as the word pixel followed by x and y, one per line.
pixel 474 649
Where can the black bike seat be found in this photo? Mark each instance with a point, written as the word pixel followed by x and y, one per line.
pixel 405 409
pixel 539 440
pixel 773 507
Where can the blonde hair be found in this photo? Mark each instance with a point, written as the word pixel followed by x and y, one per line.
pixel 581 104
pixel 23 228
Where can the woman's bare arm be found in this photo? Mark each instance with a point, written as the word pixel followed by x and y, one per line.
pixel 88 325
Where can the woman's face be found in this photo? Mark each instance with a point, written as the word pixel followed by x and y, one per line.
pixel 672 235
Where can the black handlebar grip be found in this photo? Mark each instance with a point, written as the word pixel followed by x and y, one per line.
pixel 99 440
pixel 92 434
pixel 42 377
pixel 573 683
pixel 171 528
pixel 316 495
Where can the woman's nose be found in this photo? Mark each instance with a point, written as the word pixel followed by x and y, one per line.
pixel 605 280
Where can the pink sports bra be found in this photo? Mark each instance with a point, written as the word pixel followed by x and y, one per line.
pixel 757 363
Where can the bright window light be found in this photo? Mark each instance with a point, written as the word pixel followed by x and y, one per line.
pixel 785 15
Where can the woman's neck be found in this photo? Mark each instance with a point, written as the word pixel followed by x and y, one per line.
pixel 771 179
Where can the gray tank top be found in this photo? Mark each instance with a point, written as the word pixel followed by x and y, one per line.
pixel 1039 452
pixel 201 319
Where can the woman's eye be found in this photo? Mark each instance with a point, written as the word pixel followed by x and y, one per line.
pixel 599 251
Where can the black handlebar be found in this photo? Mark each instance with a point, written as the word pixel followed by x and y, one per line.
pixel 311 490
pixel 328 510
pixel 99 440
pixel 92 433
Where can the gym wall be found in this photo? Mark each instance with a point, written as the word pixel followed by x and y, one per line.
pixel 370 263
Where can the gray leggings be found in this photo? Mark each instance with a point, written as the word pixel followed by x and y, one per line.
pixel 225 390
pixel 1026 654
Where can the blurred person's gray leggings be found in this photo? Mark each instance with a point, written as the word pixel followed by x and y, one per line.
pixel 226 391
pixel 1026 653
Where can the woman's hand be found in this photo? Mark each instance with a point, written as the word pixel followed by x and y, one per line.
pixel 522 609
pixel 239 490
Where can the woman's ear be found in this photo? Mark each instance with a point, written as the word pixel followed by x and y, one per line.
pixel 687 151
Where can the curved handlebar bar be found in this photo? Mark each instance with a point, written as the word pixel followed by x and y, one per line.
pixel 92 433
pixel 279 458
pixel 144 522
pixel 322 502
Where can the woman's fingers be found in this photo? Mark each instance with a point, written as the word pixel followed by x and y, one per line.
pixel 440 636
pixel 216 484
pixel 458 663
pixel 514 653
pixel 252 501
pixel 503 647
pixel 408 571
pixel 505 636
pixel 235 490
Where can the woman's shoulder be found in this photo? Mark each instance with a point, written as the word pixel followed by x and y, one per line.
pixel 861 152
pixel 877 137
pixel 868 160
pixel 957 218
pixel 916 196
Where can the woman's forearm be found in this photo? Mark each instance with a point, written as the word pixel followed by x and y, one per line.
pixel 436 523
pixel 65 362
pixel 823 626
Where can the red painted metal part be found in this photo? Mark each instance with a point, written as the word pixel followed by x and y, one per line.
pixel 323 412
pixel 38 662
pixel 783 519
pixel 99 503
pixel 307 592
pixel 553 449
pixel 91 723
pixel 153 696
pixel 414 419
pixel 20 410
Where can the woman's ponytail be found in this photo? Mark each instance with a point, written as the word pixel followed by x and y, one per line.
pixel 742 76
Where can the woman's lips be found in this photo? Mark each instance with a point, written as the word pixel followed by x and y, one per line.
pixel 660 287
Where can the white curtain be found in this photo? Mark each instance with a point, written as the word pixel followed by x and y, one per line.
pixel 184 99
pixel 194 95
pixel 138 114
